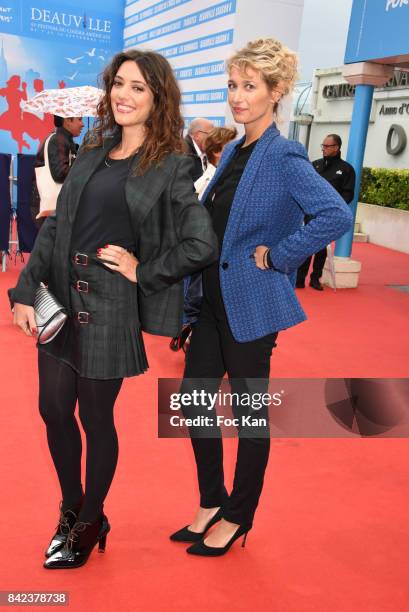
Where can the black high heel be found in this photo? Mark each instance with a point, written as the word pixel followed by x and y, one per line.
pixel 202 549
pixel 186 535
pixel 65 523
pixel 80 542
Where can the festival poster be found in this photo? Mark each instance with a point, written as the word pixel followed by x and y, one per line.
pixel 49 45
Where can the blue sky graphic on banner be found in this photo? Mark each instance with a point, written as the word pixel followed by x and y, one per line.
pixel 196 36
pixel 47 45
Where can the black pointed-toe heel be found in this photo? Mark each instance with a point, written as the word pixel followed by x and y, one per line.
pixel 65 523
pixel 80 543
pixel 186 535
pixel 202 549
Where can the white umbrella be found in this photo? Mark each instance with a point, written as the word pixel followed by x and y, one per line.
pixel 66 102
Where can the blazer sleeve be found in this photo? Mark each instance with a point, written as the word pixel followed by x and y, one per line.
pixel 38 266
pixel 331 217
pixel 197 245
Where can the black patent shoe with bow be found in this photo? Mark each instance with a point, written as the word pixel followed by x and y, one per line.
pixel 80 543
pixel 66 521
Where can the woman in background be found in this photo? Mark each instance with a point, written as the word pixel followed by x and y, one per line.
pixel 214 145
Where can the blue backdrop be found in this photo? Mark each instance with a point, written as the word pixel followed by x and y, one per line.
pixel 378 29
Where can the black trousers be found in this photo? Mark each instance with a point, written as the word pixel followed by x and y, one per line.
pixel 317 266
pixel 60 388
pixel 212 352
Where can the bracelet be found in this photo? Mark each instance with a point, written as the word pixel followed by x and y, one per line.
pixel 265 259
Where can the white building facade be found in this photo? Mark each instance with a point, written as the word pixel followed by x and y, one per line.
pixel 331 105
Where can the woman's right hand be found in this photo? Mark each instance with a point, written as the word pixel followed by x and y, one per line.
pixel 25 319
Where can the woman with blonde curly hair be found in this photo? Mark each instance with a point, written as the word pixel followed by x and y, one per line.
pixel 263 187
pixel 128 229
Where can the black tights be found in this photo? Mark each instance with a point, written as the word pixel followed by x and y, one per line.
pixel 60 388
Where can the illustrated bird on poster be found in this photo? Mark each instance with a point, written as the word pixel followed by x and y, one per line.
pixel 71 78
pixel 74 60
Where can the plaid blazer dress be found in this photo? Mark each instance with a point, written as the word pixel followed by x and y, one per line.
pixel 174 238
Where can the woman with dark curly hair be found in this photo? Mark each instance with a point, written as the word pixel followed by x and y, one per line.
pixel 128 228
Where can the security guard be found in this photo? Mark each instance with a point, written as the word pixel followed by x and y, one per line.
pixel 341 176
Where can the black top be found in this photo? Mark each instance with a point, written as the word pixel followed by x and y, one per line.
pixel 220 198
pixel 218 203
pixel 339 173
pixel 103 214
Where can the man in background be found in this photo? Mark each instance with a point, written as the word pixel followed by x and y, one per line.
pixel 195 145
pixel 341 176
pixel 62 151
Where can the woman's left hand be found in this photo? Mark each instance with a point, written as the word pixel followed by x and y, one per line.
pixel 121 261
pixel 259 257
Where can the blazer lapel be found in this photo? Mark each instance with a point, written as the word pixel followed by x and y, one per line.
pixel 142 192
pixel 245 185
pixel 85 166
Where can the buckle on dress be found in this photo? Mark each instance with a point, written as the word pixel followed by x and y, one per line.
pixel 81 259
pixel 81 286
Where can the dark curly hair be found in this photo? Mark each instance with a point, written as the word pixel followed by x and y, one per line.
pixel 164 126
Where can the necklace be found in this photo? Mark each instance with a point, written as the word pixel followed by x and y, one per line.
pixel 130 158
pixel 106 162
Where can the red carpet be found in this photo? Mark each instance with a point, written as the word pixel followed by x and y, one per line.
pixel 331 533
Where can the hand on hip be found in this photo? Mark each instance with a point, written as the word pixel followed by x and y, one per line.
pixel 120 260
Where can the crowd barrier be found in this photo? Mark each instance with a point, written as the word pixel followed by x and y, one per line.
pixel 17 229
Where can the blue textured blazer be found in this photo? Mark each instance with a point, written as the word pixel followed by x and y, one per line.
pixel 278 187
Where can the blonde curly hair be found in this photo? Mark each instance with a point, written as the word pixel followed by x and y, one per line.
pixel 276 63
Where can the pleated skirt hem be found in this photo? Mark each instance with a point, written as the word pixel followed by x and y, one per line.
pixel 100 351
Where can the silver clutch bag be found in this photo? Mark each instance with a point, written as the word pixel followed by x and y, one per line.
pixel 50 316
